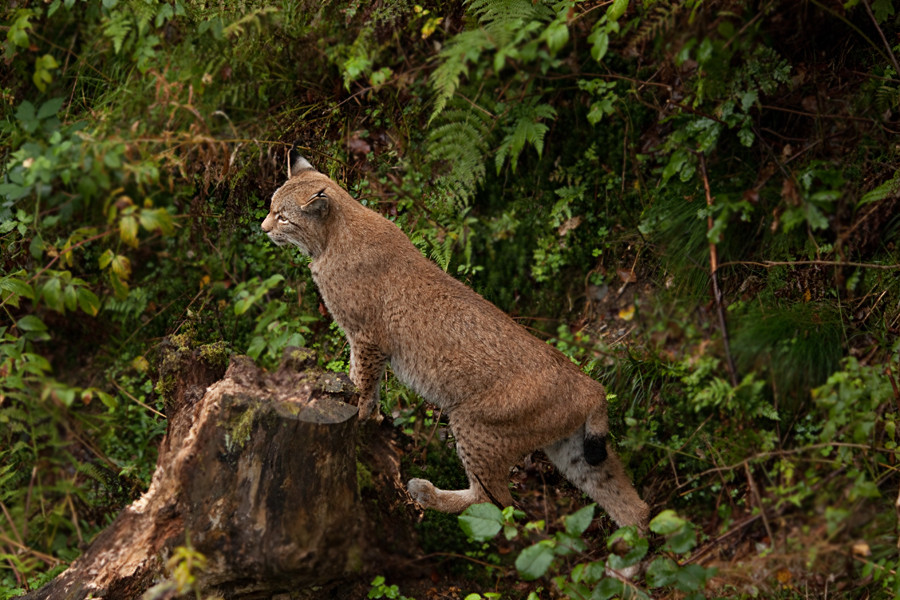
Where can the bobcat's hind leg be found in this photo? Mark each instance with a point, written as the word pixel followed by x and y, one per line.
pixel 605 481
pixel 486 468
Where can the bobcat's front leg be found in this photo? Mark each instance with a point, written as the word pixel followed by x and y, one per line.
pixel 366 367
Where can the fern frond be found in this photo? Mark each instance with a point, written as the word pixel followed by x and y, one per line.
pixel 528 129
pixel 462 49
pixel 461 139
pixel 499 16
pixel 661 19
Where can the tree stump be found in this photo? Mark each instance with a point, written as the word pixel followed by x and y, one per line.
pixel 257 472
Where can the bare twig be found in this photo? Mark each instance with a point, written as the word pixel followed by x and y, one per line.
pixel 135 400
pixel 887 46
pixel 768 264
pixel 713 268
pixel 762 509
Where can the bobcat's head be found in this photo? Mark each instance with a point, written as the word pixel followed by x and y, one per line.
pixel 300 208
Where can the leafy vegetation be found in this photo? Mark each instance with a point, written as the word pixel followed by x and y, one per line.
pixel 696 201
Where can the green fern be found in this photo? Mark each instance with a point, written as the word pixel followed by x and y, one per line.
pixel 500 22
pixel 527 129
pixel 501 18
pixel 660 21
pixel 461 139
pixel 462 49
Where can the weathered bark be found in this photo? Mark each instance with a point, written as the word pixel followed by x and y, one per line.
pixel 258 473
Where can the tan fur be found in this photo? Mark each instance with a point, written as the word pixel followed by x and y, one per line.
pixel 506 392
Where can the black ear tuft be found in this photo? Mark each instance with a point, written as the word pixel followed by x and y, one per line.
pixel 297 162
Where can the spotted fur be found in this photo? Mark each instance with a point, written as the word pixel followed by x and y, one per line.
pixel 506 392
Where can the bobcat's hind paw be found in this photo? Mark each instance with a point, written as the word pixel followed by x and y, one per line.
pixel 422 491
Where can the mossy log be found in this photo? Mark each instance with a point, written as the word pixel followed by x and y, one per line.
pixel 258 473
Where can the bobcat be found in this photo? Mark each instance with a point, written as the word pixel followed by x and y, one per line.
pixel 506 393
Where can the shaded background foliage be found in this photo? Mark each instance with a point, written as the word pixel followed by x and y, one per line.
pixel 584 165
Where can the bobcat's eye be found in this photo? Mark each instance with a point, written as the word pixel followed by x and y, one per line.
pixel 282 220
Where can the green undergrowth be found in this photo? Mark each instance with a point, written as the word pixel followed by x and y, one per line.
pixel 584 165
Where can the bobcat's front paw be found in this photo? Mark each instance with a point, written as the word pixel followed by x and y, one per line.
pixel 422 491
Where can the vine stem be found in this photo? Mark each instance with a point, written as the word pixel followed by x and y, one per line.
pixel 713 269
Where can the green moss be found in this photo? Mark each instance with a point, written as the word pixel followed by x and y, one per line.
pixel 364 479
pixel 216 354
pixel 238 429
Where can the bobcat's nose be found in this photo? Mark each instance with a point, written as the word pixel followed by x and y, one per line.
pixel 268 223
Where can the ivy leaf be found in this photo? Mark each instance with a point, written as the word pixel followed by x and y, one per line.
pixel 481 522
pixel 534 560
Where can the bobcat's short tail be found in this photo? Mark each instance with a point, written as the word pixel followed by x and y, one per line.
pixel 595 430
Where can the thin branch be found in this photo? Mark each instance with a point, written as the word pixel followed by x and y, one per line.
pixel 768 264
pixel 887 46
pixel 713 268
pixel 762 509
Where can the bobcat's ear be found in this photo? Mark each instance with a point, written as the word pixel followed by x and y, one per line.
pixel 317 204
pixel 297 162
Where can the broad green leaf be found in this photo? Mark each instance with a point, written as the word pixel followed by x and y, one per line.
pixel 16 286
pixel 693 577
pixel 88 301
pixel 121 266
pixel 70 297
pixel 52 294
pixel 37 364
pixel 662 571
pixel 556 35
pixel 105 259
pixel 31 323
pixel 534 560
pixel 241 306
pixel 157 218
pixel 599 40
pixel 666 522
pixel 108 400
pixel 616 10
pixel 578 522
pixel 128 230
pixel 257 345
pixel 50 108
pixel 607 588
pixel 481 521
